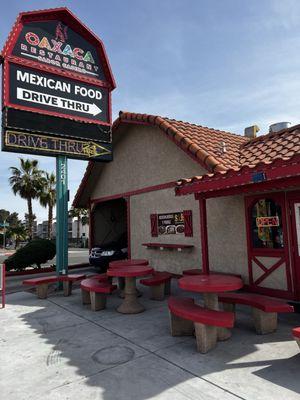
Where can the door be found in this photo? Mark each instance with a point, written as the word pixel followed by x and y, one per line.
pixel 268 250
pixel 294 207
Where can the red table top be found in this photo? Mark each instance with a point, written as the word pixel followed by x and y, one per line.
pixel 213 283
pixel 122 263
pixel 130 271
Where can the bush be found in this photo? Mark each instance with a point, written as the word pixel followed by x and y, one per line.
pixel 36 252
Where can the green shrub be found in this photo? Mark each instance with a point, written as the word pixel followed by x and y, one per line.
pixel 36 252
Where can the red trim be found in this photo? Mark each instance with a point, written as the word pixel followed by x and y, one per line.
pixel 127 199
pixel 282 254
pixel 44 270
pixel 291 198
pixel 280 173
pixel 204 236
pixel 154 225
pixel 188 223
pixel 134 192
pixel 7 102
pixel 50 69
pixel 168 245
pixel 269 271
pixel 91 234
pixel 269 292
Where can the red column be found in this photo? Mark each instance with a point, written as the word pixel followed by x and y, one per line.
pixel 204 240
pixel 127 199
pixel 91 226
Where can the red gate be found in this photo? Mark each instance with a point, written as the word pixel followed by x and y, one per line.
pixel 268 245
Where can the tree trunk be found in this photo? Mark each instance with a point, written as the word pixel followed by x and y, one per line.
pixel 50 221
pixel 30 218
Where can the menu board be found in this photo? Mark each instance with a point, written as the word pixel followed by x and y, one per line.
pixel 170 223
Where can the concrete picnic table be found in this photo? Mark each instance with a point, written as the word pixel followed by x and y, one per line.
pixel 125 263
pixel 210 286
pixel 130 304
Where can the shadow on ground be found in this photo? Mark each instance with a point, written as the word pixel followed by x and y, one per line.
pixel 59 349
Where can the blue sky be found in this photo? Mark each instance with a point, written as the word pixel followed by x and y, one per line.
pixel 223 64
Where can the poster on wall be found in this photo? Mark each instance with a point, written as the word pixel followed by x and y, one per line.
pixel 170 223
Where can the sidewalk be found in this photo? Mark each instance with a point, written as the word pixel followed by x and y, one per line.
pixel 59 349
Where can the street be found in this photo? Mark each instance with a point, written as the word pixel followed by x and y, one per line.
pixel 76 256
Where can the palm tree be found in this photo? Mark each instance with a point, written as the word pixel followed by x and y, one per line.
pixel 27 182
pixel 82 217
pixel 47 198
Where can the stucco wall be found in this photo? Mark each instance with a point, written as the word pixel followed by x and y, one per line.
pixel 143 156
pixel 227 239
pixel 164 201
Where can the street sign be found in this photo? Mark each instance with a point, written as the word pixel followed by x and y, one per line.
pixel 4 224
pixel 47 93
pixel 30 143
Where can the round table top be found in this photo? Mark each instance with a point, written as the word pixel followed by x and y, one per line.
pixel 130 271
pixel 212 283
pixel 130 262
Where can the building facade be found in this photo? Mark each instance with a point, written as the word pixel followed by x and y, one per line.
pixel 243 220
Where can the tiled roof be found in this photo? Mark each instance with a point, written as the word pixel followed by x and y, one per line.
pixel 267 148
pixel 216 150
pixel 263 150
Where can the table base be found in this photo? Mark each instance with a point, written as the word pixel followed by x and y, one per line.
pixel 211 302
pixel 130 303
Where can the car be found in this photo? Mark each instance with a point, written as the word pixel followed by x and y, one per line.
pixel 100 256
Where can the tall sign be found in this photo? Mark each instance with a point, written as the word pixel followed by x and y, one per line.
pixel 56 100
pixel 57 86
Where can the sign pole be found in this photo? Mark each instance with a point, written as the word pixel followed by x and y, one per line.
pixel 61 215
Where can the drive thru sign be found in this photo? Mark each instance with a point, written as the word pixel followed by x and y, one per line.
pixel 48 93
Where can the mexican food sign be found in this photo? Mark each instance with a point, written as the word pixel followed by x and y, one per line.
pixel 56 81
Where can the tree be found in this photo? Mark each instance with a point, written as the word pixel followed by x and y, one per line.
pixel 12 219
pixel 4 214
pixel 27 222
pixel 82 218
pixel 18 232
pixel 47 198
pixel 27 182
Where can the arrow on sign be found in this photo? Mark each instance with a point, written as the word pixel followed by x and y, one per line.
pixel 56 101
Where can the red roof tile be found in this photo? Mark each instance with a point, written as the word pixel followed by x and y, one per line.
pixel 263 150
pixel 218 151
pixel 215 150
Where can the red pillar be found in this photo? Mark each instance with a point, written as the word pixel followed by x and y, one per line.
pixel 127 200
pixel 204 239
pixel 91 226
